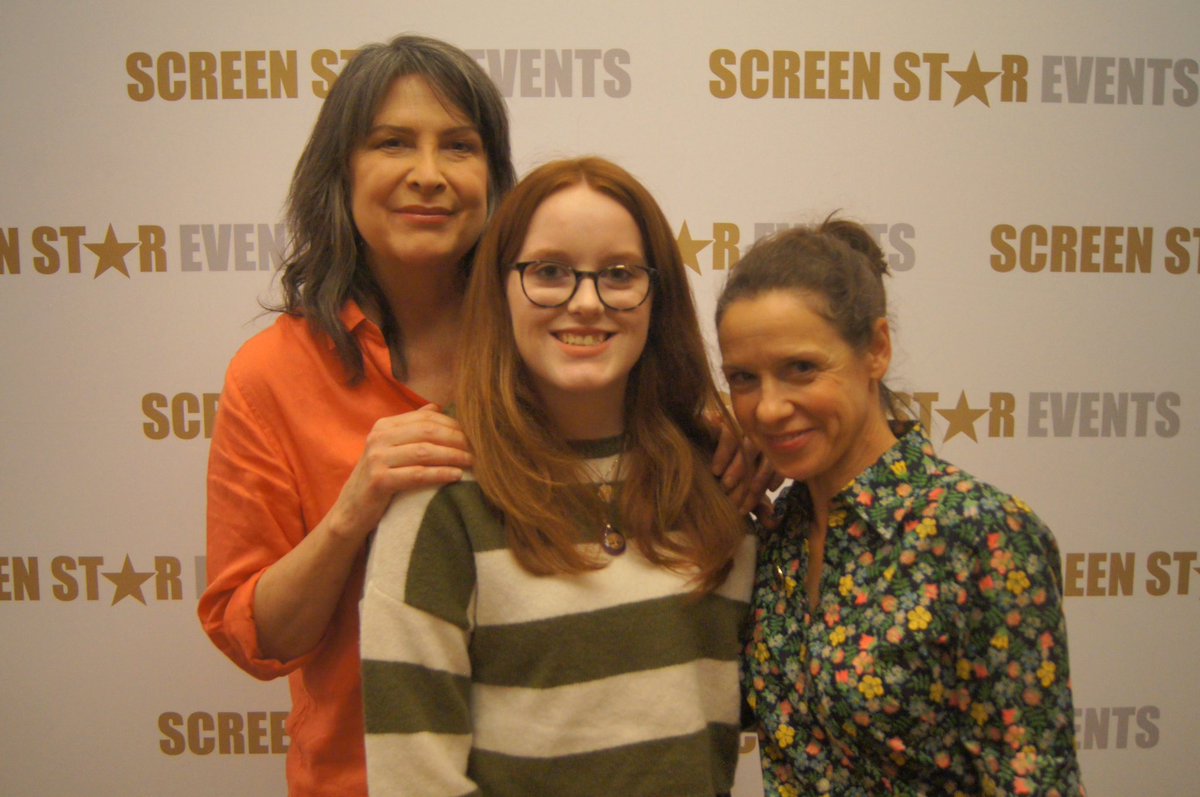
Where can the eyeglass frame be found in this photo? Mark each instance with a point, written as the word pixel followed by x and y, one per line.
pixel 594 276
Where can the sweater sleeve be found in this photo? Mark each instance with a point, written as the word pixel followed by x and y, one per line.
pixel 415 632
pixel 254 519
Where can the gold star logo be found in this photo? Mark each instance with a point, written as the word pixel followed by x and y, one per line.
pixel 972 81
pixel 962 418
pixel 128 582
pixel 111 254
pixel 690 248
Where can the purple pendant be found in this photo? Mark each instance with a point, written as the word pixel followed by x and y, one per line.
pixel 612 540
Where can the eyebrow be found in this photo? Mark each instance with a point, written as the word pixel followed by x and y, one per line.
pixel 559 256
pixel 450 131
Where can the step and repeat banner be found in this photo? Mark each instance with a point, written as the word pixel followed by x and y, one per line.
pixel 1031 170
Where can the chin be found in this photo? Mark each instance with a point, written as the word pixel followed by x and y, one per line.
pixel 795 470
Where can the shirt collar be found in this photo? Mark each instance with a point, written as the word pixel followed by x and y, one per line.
pixel 352 316
pixel 875 496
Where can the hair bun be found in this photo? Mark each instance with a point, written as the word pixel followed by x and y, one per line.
pixel 859 239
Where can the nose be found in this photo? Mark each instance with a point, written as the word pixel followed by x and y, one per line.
pixel 426 172
pixel 586 300
pixel 773 403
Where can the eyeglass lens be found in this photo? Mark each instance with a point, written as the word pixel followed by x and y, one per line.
pixel 552 284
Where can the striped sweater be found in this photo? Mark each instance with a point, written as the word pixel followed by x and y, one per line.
pixel 480 678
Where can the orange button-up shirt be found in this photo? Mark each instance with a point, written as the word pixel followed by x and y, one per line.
pixel 288 433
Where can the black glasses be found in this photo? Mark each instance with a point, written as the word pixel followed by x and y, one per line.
pixel 550 284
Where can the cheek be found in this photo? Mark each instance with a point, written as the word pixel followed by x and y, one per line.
pixel 361 184
pixel 642 334
pixel 475 186
pixel 516 307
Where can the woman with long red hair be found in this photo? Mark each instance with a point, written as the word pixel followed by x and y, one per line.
pixel 565 620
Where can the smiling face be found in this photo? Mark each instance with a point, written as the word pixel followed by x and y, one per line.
pixel 580 354
pixel 801 393
pixel 419 183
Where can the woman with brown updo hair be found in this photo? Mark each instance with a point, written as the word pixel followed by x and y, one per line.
pixel 565 620
pixel 908 634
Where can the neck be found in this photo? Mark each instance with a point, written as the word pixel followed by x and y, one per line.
pixel 874 441
pixel 586 417
pixel 427 314
pixel 418 296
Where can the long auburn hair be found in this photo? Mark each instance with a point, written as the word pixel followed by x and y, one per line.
pixel 677 513
pixel 325 265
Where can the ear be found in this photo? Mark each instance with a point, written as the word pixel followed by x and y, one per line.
pixel 879 351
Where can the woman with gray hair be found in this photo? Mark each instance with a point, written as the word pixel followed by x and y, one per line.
pixel 334 409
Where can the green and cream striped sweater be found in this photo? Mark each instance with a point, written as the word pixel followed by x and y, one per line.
pixel 481 678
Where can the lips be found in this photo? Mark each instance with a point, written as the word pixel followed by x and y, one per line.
pixel 787 441
pixel 424 210
pixel 425 216
pixel 582 338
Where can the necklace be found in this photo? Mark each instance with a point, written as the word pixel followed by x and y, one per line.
pixel 611 539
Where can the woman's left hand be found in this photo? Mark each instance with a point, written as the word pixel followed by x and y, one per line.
pixel 745 473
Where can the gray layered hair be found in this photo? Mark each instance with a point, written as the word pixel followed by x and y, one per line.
pixel 325 265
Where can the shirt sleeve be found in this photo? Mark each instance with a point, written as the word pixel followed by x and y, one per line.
pixel 1014 673
pixel 254 519
pixel 416 621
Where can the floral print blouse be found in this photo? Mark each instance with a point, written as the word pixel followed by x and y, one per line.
pixel 936 661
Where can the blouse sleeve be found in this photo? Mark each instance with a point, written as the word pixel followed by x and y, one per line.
pixel 1013 673
pixel 254 519
pixel 416 627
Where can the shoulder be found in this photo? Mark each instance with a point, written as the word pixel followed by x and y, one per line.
pixel 270 351
pixel 422 552
pixel 986 520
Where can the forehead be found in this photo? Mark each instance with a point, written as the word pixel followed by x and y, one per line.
pixel 580 219
pixel 775 322
pixel 417 95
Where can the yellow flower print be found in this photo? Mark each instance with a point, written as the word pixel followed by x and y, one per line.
pixel 838 636
pixel 927 528
pixel 1025 762
pixel 784 736
pixel 788 791
pixel 846 585
pixel 979 713
pixel 870 686
pixel 1000 640
pixel 937 692
pixel 761 652
pixel 789 586
pixel 964 669
pixel 1018 582
pixel 837 519
pixel 918 619
pixel 1024 507
pixel 890 573
pixel 900 468
pixel 1047 673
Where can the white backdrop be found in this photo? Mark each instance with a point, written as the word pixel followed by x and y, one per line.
pixel 1032 168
